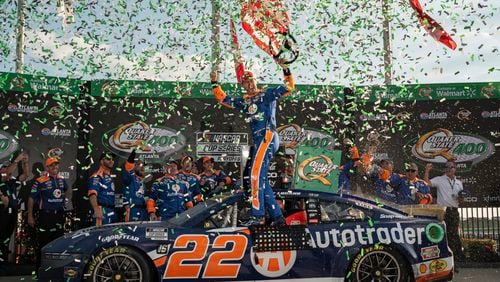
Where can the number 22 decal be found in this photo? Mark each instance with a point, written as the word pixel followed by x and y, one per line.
pixel 215 267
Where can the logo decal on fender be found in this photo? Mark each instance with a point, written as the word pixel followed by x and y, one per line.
pixel 431 252
pixel 273 264
pixel 437 266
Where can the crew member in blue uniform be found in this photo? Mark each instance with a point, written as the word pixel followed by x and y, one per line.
pixel 212 180
pixel 134 189
pixel 49 194
pixel 187 174
pixel 101 192
pixel 260 109
pixel 170 195
pixel 409 189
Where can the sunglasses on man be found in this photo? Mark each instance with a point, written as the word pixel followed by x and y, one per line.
pixel 411 170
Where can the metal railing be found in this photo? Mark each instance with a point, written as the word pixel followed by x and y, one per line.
pixel 480 223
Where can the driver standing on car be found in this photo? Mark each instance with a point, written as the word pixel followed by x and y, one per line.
pixel 170 195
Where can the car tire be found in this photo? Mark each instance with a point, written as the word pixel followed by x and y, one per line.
pixel 378 263
pixel 119 263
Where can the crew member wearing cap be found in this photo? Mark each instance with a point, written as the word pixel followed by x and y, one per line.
pixel 134 188
pixel 212 180
pixel 170 195
pixel 186 174
pixel 49 194
pixel 101 192
pixel 409 188
pixel 9 203
pixel 260 109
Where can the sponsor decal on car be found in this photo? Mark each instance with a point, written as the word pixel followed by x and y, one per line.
pixel 366 235
pixel 273 264
pixel 431 252
pixel 157 233
pixel 115 237
pixel 437 266
pixel 70 272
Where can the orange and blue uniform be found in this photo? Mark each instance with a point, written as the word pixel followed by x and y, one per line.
pixel 194 184
pixel 170 195
pixel 102 185
pixel 260 111
pixel 211 180
pixel 48 193
pixel 133 194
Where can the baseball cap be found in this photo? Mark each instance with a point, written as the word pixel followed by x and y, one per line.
pixel 107 155
pixel 207 159
pixel 51 161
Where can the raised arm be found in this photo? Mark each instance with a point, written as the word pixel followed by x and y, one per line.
pixel 289 83
pixel 222 97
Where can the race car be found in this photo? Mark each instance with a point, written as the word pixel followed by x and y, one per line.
pixel 328 237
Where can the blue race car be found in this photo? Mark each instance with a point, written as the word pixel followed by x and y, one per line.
pixel 327 237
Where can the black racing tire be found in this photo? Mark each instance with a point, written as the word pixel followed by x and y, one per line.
pixel 378 263
pixel 120 263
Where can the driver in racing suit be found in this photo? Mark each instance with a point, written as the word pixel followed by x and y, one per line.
pixel 260 108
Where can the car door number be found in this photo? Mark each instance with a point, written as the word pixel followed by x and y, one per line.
pixel 216 266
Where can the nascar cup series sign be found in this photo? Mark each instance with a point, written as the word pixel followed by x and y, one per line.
pixel 8 144
pixel 442 145
pixel 151 142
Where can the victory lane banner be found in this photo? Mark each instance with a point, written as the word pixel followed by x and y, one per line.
pixel 222 146
pixel 316 169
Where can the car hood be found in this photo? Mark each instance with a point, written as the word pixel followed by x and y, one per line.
pixel 91 237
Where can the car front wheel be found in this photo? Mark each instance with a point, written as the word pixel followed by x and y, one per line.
pixel 118 263
pixel 378 264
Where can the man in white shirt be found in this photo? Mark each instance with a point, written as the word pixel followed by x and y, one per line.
pixel 448 195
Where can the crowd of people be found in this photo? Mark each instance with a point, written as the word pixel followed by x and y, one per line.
pixel 379 181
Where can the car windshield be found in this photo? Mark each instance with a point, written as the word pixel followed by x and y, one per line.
pixel 200 208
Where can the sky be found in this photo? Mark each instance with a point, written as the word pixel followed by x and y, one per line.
pixel 340 41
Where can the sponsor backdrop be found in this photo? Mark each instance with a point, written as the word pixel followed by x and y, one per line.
pixel 441 122
pixel 39 117
pixel 165 121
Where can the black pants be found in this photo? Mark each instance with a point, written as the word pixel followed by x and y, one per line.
pixel 7 225
pixel 452 219
pixel 49 227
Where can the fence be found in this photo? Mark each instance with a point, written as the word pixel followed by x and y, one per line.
pixel 480 223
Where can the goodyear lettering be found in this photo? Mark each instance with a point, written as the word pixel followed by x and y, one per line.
pixel 119 237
